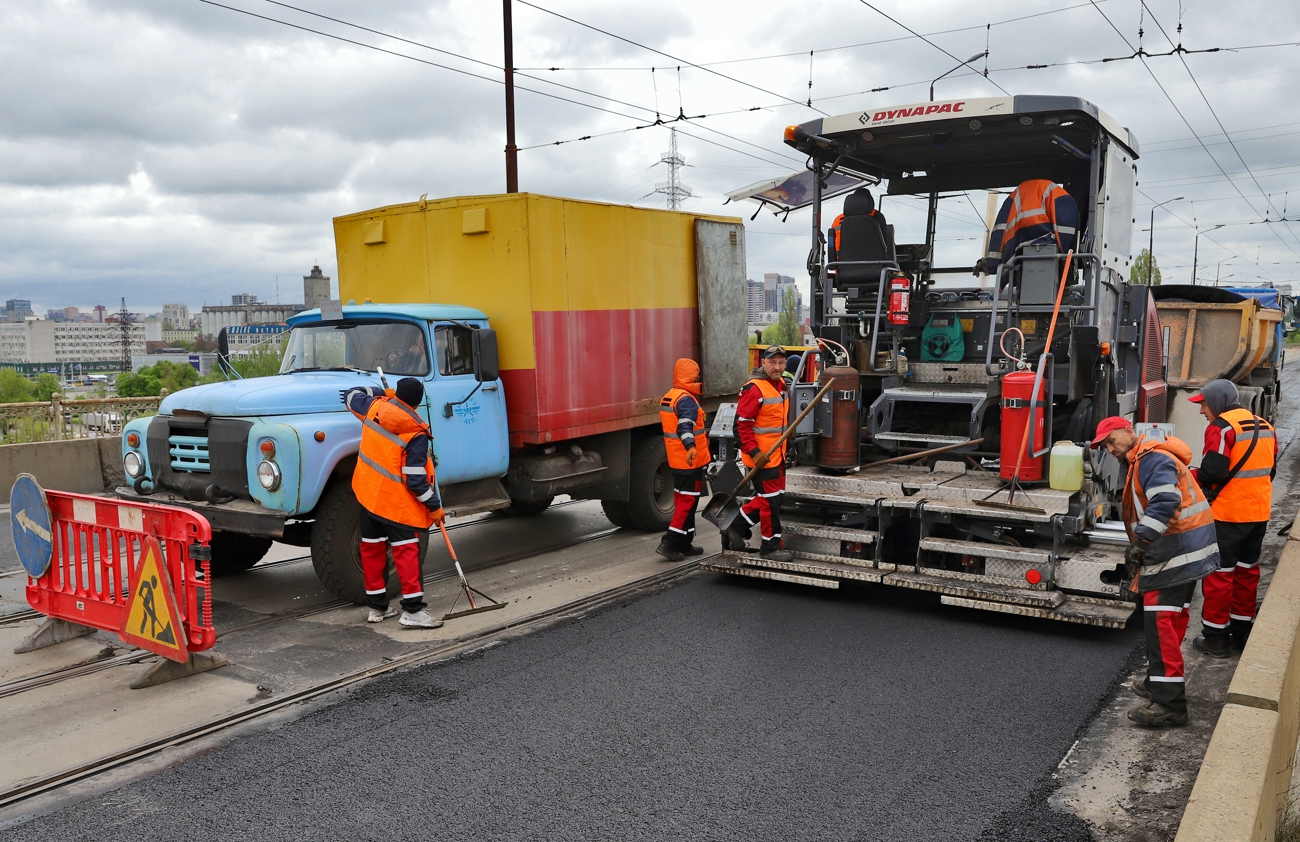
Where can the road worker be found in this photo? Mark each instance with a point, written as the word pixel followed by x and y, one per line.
pixel 791 368
pixel 1039 210
pixel 760 420
pixel 1237 475
pixel 395 485
pixel 688 455
pixel 1173 545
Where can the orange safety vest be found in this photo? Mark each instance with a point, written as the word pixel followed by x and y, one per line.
pixel 1189 538
pixel 1248 496
pixel 835 226
pixel 673 442
pixel 379 479
pixel 1033 203
pixel 770 423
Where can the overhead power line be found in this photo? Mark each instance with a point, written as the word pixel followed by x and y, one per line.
pixel 897 22
pixel 665 55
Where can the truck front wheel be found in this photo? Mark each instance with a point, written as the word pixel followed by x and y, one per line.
pixel 336 546
pixel 233 552
pixel 650 486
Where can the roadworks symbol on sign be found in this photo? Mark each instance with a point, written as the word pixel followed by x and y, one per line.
pixel 152 620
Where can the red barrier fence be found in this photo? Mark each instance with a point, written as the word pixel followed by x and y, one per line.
pixel 99 543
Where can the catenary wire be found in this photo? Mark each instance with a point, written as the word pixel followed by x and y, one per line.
pixel 927 40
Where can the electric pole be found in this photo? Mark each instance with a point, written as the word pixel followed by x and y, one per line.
pixel 512 151
pixel 673 187
pixel 124 325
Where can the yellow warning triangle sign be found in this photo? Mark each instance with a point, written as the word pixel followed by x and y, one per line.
pixel 152 620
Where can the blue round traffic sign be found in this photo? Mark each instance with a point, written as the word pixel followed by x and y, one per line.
pixel 29 514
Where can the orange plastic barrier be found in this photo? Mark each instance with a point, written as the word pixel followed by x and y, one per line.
pixel 141 571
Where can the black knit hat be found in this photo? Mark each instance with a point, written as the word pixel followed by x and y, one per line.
pixel 410 391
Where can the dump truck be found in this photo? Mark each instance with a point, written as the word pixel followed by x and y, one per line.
pixel 1213 333
pixel 982 522
pixel 545 331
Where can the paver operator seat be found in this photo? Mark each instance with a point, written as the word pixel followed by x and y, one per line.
pixel 861 234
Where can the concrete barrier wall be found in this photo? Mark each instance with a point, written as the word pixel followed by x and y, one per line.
pixel 1241 791
pixel 82 465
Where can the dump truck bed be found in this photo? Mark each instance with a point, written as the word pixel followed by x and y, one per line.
pixel 592 303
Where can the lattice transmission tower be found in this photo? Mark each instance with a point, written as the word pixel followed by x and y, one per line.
pixel 673 187
pixel 124 325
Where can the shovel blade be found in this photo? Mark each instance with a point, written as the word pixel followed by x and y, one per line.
pixel 721 511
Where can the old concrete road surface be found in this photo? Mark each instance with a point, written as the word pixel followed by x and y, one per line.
pixel 718 709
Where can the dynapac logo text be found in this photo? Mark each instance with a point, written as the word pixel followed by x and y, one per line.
pixel 918 111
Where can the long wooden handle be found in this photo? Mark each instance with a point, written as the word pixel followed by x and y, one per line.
pixel 788 431
pixel 934 451
pixel 447 538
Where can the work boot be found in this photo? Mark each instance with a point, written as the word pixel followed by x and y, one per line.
pixel 1239 633
pixel 773 551
pixel 668 550
pixel 693 549
pixel 378 615
pixel 1141 687
pixel 737 535
pixel 420 620
pixel 1156 715
pixel 1214 645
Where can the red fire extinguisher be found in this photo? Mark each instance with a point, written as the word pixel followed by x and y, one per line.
pixel 900 300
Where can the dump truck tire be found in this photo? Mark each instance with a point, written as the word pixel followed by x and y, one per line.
pixel 520 508
pixel 650 486
pixel 336 546
pixel 234 553
pixel 616 511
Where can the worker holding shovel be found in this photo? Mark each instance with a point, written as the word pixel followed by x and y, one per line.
pixel 761 414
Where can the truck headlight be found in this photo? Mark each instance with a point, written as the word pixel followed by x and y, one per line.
pixel 133 464
pixel 268 475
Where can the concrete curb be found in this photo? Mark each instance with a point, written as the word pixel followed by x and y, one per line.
pixel 1241 791
pixel 85 466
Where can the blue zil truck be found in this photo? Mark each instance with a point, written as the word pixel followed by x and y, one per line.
pixel 560 398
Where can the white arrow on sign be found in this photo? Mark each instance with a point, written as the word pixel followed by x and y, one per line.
pixel 32 526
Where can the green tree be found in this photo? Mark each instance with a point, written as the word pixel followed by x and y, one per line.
pixel 258 364
pixel 786 330
pixel 45 386
pixel 14 388
pixel 1137 274
pixel 174 376
pixel 142 384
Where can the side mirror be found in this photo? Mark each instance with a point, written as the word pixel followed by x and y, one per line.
pixel 223 343
pixel 486 365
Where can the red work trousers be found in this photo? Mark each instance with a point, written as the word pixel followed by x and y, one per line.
pixel 687 486
pixel 376 536
pixel 1230 591
pixel 1164 614
pixel 766 504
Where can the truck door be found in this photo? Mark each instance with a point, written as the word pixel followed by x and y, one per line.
pixel 468 417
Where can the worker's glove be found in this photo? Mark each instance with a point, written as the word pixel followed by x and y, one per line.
pixel 690 456
pixel 759 457
pixel 439 516
pixel 1135 556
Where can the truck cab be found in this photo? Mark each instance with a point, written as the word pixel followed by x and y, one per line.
pixel 271 458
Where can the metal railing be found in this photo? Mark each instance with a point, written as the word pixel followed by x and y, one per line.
pixel 62 420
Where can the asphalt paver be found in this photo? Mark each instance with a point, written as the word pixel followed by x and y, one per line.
pixel 718 709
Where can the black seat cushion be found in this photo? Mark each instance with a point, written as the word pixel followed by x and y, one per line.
pixel 863 236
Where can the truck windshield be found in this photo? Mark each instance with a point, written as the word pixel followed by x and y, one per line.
pixel 396 346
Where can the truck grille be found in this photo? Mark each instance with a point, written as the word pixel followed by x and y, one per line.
pixel 189 454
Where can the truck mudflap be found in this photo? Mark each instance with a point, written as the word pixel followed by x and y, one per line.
pixel 960 589
pixel 243 516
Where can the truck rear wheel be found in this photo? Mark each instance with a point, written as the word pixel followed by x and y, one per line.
pixel 233 552
pixel 616 511
pixel 650 486
pixel 336 546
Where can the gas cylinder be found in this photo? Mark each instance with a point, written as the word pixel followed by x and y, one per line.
pixel 838 450
pixel 900 300
pixel 1016 389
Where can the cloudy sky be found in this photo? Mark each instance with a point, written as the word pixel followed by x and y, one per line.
pixel 176 150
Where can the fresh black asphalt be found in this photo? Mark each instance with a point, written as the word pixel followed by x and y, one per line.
pixel 720 709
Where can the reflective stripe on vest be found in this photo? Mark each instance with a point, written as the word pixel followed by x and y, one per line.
pixel 770 423
pixel 379 480
pixel 1190 530
pixel 1034 204
pixel 1248 496
pixel 673 442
